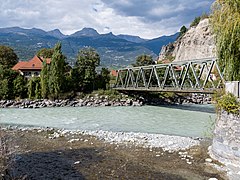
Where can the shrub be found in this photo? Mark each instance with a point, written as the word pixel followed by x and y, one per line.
pixel 229 103
pixel 198 19
pixel 195 21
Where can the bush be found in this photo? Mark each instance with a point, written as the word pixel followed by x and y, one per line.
pixel 229 103
pixel 198 19
pixel 195 21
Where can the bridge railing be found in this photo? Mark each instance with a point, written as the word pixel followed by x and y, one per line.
pixel 184 76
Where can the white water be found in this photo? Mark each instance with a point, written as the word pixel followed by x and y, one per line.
pixel 188 120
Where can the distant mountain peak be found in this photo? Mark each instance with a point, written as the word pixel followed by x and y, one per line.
pixel 89 32
pixel 56 33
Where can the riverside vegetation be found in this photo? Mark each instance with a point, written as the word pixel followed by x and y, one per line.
pixel 57 80
pixel 225 21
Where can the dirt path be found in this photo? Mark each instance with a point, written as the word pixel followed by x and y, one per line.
pixel 36 156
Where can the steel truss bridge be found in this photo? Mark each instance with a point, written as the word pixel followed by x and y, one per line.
pixel 195 76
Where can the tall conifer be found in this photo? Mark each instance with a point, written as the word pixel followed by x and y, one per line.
pixel 44 79
pixel 56 72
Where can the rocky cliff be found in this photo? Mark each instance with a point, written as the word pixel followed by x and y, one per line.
pixel 197 43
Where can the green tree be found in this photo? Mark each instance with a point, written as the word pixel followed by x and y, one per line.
pixel 183 30
pixel 45 53
pixel 7 77
pixel 34 88
pixel 195 21
pixel 44 76
pixel 144 60
pixel 4 91
pixel 20 88
pixel 8 58
pixel 103 79
pixel 56 72
pixel 37 91
pixel 31 88
pixel 225 21
pixel 198 19
pixel 85 69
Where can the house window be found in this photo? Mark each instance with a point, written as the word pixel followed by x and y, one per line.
pixel 27 73
pixel 36 73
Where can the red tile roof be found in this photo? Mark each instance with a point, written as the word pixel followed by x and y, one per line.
pixel 34 64
pixel 114 73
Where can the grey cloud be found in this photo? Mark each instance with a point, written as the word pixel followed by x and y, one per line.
pixel 184 9
pixel 144 18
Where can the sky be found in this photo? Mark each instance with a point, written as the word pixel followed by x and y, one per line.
pixel 145 18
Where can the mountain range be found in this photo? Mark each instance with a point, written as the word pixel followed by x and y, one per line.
pixel 114 50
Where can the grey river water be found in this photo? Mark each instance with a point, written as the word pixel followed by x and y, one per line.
pixel 184 120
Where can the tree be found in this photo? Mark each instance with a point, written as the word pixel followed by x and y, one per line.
pixel 102 80
pixel 195 21
pixel 45 53
pixel 37 91
pixel 198 19
pixel 7 76
pixel 225 21
pixel 56 72
pixel 183 30
pixel 144 60
pixel 20 88
pixel 44 76
pixel 8 58
pixel 85 69
pixel 31 88
pixel 34 88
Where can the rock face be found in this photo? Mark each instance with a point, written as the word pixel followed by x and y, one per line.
pixel 197 43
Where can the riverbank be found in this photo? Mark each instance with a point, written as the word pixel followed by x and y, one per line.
pixel 88 102
pixel 107 155
pixel 96 100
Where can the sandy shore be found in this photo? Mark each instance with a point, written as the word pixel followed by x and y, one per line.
pixel 60 154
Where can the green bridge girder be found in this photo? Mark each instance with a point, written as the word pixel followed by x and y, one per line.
pixel 195 76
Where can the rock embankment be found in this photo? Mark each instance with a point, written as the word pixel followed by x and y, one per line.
pixel 198 99
pixel 180 99
pixel 87 102
pixel 105 101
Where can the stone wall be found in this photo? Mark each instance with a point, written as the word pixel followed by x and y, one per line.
pixel 226 142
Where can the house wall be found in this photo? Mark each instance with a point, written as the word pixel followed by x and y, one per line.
pixel 30 73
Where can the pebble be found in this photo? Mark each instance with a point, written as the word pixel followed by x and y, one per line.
pixel 209 160
pixel 72 140
pixel 144 140
pixel 166 142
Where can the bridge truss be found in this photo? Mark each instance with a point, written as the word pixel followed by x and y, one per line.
pixel 196 76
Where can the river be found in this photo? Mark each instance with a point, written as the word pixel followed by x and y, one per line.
pixel 182 120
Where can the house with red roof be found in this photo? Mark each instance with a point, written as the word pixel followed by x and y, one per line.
pixel 113 73
pixel 32 67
